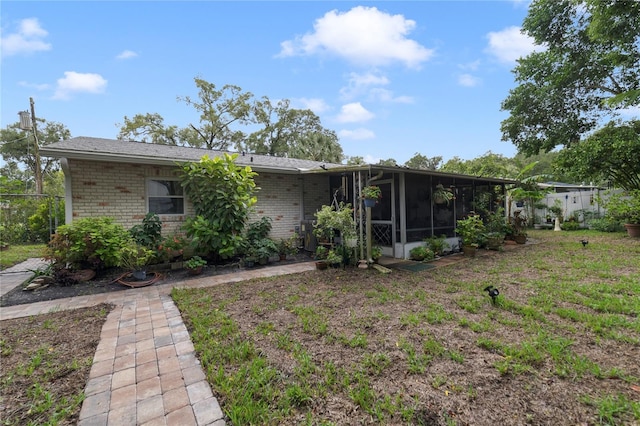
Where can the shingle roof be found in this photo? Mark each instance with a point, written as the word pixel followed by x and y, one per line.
pixel 98 149
pixel 88 148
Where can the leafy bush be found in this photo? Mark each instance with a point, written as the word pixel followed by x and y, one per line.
pixel 421 253
pixel 149 233
pixel 570 225
pixel 88 243
pixel 606 225
pixel 222 194
pixel 436 244
pixel 40 221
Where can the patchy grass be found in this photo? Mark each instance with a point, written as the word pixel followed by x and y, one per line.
pixel 559 346
pixel 46 360
pixel 19 253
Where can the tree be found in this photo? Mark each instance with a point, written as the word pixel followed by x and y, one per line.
pixel 17 145
pixel 289 132
pixel 226 113
pixel 488 165
pixel 388 162
pixel 589 71
pixel 220 113
pixel 355 160
pixel 318 147
pixel 422 162
pixel 610 154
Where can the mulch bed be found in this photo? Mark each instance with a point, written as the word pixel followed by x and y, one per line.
pixel 106 281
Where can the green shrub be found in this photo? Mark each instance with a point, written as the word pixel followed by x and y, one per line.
pixel 421 253
pixel 436 244
pixel 570 225
pixel 149 233
pixel 222 195
pixel 606 225
pixel 40 221
pixel 88 243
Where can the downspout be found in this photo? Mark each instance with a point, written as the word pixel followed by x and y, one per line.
pixel 68 197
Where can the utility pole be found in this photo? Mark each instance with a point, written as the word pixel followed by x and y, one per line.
pixel 25 125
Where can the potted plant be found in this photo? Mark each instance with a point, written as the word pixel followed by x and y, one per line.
pixel 135 258
pixel 194 265
pixel 321 256
pixel 496 228
pixel 436 244
pixel 442 195
pixel 330 219
pixel 376 252
pixel 421 253
pixel 625 207
pixel 518 227
pixel 371 195
pixel 288 246
pixel 264 249
pixel 333 258
pixel 470 230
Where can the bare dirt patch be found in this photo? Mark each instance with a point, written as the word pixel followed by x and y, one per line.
pixel 46 360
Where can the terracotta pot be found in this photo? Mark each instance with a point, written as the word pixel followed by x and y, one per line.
pixel 633 229
pixel 321 265
pixel 520 239
pixel 194 271
pixel 469 251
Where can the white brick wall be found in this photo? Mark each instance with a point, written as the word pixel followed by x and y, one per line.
pixel 118 190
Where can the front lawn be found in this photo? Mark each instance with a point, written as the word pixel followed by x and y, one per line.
pixel 19 253
pixel 560 345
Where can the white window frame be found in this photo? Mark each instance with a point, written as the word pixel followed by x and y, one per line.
pixel 148 196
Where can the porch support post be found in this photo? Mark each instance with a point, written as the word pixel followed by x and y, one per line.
pixel 369 259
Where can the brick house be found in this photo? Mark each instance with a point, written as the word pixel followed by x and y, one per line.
pixel 126 180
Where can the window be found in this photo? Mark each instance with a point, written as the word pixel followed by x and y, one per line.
pixel 165 197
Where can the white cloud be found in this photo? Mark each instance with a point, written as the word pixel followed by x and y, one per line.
pixel 467 80
pixel 316 105
pixel 354 113
pixel 127 54
pixel 357 134
pixel 28 39
pixel 359 84
pixel 384 95
pixel 38 87
pixel 470 66
pixel 364 36
pixel 74 82
pixel 510 44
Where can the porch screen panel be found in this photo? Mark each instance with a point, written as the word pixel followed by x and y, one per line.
pixel 418 207
pixel 165 197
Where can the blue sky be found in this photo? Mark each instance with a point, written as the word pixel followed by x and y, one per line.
pixel 390 78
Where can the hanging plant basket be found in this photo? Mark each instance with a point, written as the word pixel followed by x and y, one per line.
pixel 370 202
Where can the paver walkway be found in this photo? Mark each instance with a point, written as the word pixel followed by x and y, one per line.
pixel 145 371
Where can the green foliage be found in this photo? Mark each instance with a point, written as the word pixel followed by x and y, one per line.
pixel 624 206
pixel 195 262
pixel 88 243
pixel 442 195
pixel 330 219
pixel 134 256
pixel 609 155
pixel 606 225
pixel 45 216
pixel 372 192
pixel 149 233
pixel 288 246
pixel 26 218
pixel 436 244
pixel 222 195
pixel 421 253
pixel 470 229
pixel 591 55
